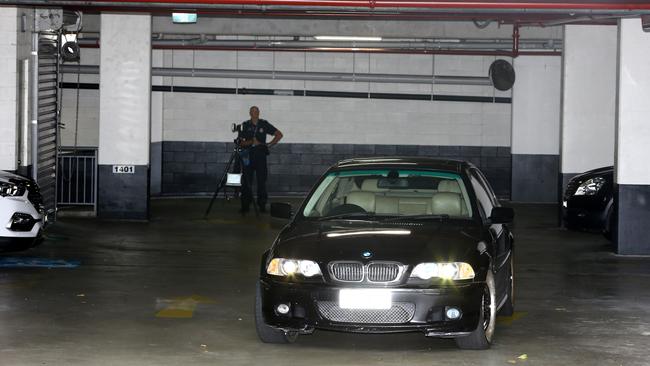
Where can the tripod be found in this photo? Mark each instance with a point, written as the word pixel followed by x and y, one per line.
pixel 224 178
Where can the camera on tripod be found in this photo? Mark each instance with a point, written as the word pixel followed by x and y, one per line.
pixel 236 128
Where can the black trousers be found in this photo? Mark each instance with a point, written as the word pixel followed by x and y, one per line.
pixel 257 169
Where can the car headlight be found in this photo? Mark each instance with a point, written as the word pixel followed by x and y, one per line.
pixel 11 189
pixel 446 271
pixel 590 187
pixel 290 267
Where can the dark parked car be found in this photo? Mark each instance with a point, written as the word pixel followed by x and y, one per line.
pixel 388 245
pixel 589 201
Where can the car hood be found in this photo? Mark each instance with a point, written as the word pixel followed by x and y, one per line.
pixel 408 242
pixel 10 177
pixel 605 171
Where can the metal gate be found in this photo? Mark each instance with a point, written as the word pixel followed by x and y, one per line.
pixel 45 83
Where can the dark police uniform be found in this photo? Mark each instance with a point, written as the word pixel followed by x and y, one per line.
pixel 257 162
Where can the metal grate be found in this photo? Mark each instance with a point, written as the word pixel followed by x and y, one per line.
pixel 383 272
pixel 347 271
pixel 399 313
pixel 77 177
pixel 47 99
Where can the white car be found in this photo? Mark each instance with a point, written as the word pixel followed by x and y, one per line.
pixel 21 213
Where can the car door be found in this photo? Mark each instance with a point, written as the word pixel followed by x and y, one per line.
pixel 499 233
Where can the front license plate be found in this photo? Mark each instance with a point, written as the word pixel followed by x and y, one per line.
pixel 365 299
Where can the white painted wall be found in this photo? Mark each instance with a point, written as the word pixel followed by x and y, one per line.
pixel 125 89
pixel 87 131
pixel 536 105
pixel 9 86
pixel 588 97
pixel 207 117
pixel 156 100
pixel 633 112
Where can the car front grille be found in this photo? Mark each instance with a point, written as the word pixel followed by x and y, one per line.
pixel 347 271
pixel 399 313
pixel 371 272
pixel 383 272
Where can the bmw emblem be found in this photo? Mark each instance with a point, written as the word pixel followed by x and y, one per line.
pixel 367 254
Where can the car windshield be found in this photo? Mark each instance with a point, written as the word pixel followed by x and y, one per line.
pixel 377 193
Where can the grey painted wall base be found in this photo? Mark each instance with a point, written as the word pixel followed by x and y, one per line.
pixel 155 157
pixel 633 232
pixel 534 178
pixel 123 196
pixel 194 167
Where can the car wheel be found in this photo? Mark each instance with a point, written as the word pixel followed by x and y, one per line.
pixel 266 333
pixel 508 307
pixel 481 338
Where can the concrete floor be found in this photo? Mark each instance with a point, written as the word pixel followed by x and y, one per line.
pixel 179 291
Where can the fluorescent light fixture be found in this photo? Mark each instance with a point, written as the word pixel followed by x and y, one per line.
pixel 369 232
pixel 347 38
pixel 184 18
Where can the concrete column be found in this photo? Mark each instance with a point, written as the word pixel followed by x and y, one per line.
pixel 156 127
pixel 124 116
pixel 588 99
pixel 9 88
pixel 536 129
pixel 632 173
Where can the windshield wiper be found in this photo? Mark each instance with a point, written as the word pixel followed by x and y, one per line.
pixel 351 215
pixel 416 217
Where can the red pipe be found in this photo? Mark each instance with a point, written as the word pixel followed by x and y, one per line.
pixel 425 4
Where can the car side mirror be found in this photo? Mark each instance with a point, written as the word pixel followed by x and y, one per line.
pixel 281 210
pixel 502 215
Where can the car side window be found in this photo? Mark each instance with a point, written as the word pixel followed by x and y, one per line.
pixel 484 199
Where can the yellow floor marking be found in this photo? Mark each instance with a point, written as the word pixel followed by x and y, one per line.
pixel 182 307
pixel 507 320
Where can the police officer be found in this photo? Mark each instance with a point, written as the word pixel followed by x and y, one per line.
pixel 254 152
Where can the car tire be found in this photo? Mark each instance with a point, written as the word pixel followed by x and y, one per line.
pixel 481 338
pixel 266 333
pixel 508 307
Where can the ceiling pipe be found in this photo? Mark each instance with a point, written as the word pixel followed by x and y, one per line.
pixel 555 44
pixel 457 9
pixel 297 75
pixel 544 5
pixel 495 48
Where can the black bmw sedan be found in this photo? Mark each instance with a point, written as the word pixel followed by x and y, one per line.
pixel 387 245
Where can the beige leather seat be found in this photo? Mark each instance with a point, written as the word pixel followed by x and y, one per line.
pixel 387 205
pixel 448 185
pixel 366 200
pixel 447 203
pixel 451 186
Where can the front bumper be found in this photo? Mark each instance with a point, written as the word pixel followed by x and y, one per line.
pixel 426 309
pixel 584 218
pixel 25 235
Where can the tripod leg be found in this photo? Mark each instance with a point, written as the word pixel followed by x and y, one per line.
pixel 222 182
